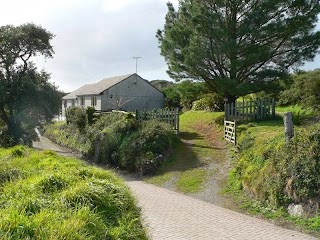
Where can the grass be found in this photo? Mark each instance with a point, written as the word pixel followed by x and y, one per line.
pixel 185 168
pixel 46 196
pixel 262 130
pixel 294 109
pixel 256 170
pixel 161 179
pixel 192 181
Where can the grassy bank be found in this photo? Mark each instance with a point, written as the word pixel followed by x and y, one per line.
pixel 46 196
pixel 268 175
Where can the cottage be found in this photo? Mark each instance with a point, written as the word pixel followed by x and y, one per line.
pixel 128 92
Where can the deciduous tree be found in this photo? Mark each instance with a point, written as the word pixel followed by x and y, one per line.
pixel 27 98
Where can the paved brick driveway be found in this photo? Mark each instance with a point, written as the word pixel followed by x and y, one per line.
pixel 173 216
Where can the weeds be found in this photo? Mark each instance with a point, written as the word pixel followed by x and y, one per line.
pixel 52 197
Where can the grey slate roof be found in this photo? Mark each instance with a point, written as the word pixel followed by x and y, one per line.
pixel 75 93
pixel 96 88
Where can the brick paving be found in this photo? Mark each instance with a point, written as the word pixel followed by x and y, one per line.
pixel 172 216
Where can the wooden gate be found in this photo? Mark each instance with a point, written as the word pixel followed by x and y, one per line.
pixel 249 111
pixel 170 116
pixel 230 131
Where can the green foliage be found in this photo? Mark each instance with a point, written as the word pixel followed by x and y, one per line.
pixel 190 92
pixel 146 146
pixel 161 84
pixel 227 44
pixel 209 102
pixel 173 98
pixel 275 173
pixel 192 180
pixel 303 91
pixel 116 139
pixel 90 115
pixel 63 198
pixel 184 94
pixel 27 98
pixel 78 117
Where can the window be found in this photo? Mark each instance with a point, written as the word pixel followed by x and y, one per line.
pixel 65 103
pixel 93 101
pixel 73 103
pixel 82 101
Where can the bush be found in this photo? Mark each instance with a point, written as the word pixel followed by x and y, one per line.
pixel 90 115
pixel 209 102
pixel 78 117
pixel 144 148
pixel 303 91
pixel 117 140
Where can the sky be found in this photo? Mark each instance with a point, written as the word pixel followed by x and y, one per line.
pixel 96 39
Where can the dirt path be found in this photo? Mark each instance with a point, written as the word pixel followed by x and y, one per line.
pixel 220 163
pixel 46 144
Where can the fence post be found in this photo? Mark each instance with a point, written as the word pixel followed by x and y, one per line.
pixel 226 111
pixel 288 126
pixel 273 108
pixel 235 132
pixel 177 120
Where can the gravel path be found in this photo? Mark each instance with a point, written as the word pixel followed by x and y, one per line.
pixel 169 215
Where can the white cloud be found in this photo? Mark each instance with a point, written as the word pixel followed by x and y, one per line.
pixel 97 38
pixel 114 6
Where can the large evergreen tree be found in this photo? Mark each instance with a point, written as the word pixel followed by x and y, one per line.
pixel 239 46
pixel 27 98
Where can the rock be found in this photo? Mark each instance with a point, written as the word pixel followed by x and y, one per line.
pixel 295 210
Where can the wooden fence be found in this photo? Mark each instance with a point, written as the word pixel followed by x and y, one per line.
pixel 164 115
pixel 250 110
pixel 230 131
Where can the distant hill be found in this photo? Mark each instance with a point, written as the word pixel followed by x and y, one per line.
pixel 161 84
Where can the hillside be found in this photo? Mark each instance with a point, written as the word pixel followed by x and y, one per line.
pixel 46 196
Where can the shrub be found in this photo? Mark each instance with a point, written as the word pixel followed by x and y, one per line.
pixel 209 102
pixel 303 91
pixel 145 146
pixel 78 117
pixel 90 115
pixel 117 140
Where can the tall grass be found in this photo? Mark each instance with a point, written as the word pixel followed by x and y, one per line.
pixel 46 196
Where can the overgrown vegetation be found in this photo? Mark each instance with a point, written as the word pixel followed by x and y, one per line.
pixel 303 90
pixel 46 196
pixel 276 174
pixel 117 140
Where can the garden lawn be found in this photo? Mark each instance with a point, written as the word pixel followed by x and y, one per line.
pixel 46 196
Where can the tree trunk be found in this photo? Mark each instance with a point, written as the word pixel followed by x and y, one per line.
pixel 230 99
pixel 14 130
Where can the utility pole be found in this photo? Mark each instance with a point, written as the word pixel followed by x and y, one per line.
pixel 136 58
